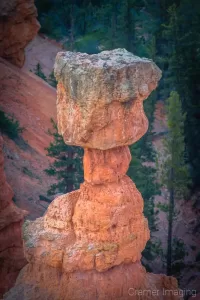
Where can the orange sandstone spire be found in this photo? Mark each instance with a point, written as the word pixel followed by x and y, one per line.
pixel 89 243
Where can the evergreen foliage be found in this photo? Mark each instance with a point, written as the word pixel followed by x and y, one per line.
pixel 9 125
pixel 182 60
pixel 174 173
pixel 173 156
pixel 144 176
pixel 140 173
pixel 52 80
pixel 67 167
pixel 39 72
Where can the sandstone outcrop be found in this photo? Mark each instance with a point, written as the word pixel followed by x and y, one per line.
pixel 11 247
pixel 89 243
pixel 18 26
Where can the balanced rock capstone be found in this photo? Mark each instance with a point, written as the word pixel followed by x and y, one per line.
pixel 100 97
pixel 89 243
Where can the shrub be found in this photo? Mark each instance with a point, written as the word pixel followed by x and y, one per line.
pixel 52 26
pixel 52 80
pixel 29 173
pixel 44 198
pixel 67 166
pixel 38 71
pixel 88 43
pixel 9 125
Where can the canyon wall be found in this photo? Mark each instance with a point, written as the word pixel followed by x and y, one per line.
pixel 18 26
pixel 11 246
pixel 89 243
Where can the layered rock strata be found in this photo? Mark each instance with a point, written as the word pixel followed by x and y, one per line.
pixel 12 258
pixel 18 26
pixel 89 243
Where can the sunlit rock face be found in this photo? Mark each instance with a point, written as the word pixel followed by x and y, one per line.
pixel 93 228
pixel 106 166
pixel 100 97
pixel 11 217
pixel 89 243
pixel 18 26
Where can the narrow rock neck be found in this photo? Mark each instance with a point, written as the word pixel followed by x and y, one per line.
pixel 106 166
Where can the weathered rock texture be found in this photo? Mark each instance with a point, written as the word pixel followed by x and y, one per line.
pixel 100 97
pixel 89 243
pixel 11 246
pixel 18 26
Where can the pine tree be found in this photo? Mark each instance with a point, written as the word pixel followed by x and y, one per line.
pixel 39 72
pixel 173 169
pixel 144 178
pixel 52 80
pixel 182 69
pixel 67 167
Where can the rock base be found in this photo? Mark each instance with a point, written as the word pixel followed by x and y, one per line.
pixel 121 282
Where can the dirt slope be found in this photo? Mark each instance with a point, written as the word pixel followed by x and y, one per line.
pixel 32 102
pixel 43 51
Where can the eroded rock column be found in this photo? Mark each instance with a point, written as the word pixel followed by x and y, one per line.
pixel 18 26
pixel 11 218
pixel 89 243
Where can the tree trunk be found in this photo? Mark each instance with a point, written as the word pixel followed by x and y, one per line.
pixel 72 27
pixel 170 225
pixel 130 30
pixel 113 28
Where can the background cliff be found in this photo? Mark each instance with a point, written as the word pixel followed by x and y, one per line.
pixel 11 219
pixel 18 26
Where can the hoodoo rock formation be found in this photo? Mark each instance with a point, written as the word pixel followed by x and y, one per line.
pixel 12 258
pixel 89 243
pixel 18 26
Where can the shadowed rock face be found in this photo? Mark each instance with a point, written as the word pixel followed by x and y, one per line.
pixel 18 26
pixel 89 243
pixel 100 97
pixel 11 217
